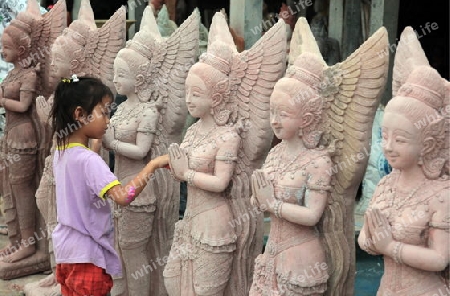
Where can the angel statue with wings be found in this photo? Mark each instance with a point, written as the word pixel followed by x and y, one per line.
pixel 321 115
pixel 84 50
pixel 408 219
pixel 150 71
pixel 229 92
pixel 25 44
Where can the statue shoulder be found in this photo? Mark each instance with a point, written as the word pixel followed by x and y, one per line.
pixel 227 134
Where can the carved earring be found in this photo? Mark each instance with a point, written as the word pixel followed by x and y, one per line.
pixel 300 132
pixel 420 161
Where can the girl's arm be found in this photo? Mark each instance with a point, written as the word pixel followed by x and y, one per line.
pixel 124 195
pixel 316 196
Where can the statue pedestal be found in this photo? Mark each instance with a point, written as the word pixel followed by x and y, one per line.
pixel 36 263
pixel 33 289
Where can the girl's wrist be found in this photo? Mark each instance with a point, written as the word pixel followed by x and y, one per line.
pixel 149 169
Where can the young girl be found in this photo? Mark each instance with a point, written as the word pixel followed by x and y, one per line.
pixel 83 238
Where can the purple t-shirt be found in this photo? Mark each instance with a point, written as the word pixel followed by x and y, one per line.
pixel 84 233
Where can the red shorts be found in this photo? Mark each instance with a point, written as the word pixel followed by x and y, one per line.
pixel 83 279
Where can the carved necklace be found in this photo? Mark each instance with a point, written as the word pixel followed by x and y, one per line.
pixel 281 169
pixel 119 117
pixel 394 203
pixel 200 141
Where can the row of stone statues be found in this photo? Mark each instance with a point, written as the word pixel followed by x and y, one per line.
pixel 307 183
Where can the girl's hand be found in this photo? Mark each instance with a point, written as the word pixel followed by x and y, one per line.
pixel 380 231
pixel 178 161
pixel 161 161
pixel 263 191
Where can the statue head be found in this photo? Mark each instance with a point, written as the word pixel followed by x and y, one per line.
pixel 213 71
pixel 414 124
pixel 133 65
pixel 296 97
pixel 69 49
pixel 16 40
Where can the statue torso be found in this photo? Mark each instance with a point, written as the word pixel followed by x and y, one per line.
pixel 409 215
pixel 19 127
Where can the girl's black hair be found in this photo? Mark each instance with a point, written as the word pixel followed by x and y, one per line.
pixel 86 93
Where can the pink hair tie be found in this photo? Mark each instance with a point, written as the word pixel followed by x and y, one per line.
pixel 131 194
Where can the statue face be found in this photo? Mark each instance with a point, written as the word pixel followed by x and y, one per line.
pixel 124 79
pixel 197 96
pixel 284 118
pixel 60 62
pixel 10 52
pixel 401 141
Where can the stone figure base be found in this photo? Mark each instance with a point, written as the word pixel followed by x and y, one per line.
pixel 34 289
pixel 36 263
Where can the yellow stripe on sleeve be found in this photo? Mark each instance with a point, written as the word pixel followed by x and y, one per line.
pixel 107 187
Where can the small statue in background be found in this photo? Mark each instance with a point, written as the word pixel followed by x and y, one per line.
pixel 25 44
pixel 229 93
pixel 150 71
pixel 408 219
pixel 321 114
pixel 72 54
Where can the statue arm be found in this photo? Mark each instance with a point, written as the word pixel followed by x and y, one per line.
pixel 224 167
pixel 27 91
pixel 144 138
pixel 316 196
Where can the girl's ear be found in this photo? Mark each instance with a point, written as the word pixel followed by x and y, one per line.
pixel 79 114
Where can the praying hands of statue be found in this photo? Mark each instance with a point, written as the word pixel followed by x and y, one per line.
pixel 263 192
pixel 108 138
pixel 43 108
pixel 367 245
pixel 178 162
pixel 379 231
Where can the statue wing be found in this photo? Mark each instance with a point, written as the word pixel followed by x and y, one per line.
pixel 303 41
pixel 44 33
pixel 256 70
pixel 259 69
pixel 171 63
pixel 352 91
pixel 103 46
pixel 408 56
